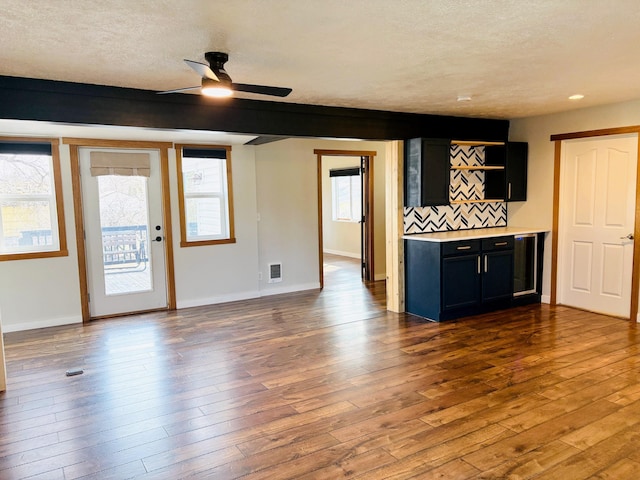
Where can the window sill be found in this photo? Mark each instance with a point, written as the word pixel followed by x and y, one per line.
pixel 201 243
pixel 32 255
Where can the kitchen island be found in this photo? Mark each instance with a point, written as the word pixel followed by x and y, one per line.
pixel 457 273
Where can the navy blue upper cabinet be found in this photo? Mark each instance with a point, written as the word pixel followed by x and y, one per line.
pixel 509 184
pixel 516 169
pixel 426 172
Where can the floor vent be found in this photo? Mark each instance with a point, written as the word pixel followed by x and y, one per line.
pixel 275 272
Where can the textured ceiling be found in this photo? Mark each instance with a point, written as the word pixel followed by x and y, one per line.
pixel 515 58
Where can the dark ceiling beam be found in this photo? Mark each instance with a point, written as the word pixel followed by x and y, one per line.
pixel 76 103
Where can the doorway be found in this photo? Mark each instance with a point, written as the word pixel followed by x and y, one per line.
pixel 345 210
pixel 123 227
pixel 597 201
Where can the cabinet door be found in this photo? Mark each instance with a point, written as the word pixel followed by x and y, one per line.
pixel 435 171
pixel 413 173
pixel 460 281
pixel 426 172
pixel 497 275
pixel 516 170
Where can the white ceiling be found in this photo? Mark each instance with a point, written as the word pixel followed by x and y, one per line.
pixel 515 58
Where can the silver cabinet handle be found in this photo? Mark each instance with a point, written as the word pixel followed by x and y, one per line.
pixel 500 244
pixel 466 247
pixel 478 264
pixel 486 266
pixel 509 191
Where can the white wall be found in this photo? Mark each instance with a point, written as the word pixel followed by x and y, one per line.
pixel 287 208
pixel 221 273
pixel 286 173
pixel 340 238
pixel 538 209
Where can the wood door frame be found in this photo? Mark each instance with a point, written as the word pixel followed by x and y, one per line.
pixel 163 147
pixel 368 209
pixel 635 275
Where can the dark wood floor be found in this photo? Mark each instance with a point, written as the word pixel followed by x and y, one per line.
pixel 325 385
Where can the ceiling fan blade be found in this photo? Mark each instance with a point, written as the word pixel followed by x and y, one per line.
pixel 202 69
pixel 262 89
pixel 178 90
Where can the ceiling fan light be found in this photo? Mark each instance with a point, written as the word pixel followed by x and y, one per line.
pixel 216 88
pixel 216 91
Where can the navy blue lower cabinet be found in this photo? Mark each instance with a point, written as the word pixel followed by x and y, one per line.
pixel 497 276
pixel 460 281
pixel 497 269
pixel 448 280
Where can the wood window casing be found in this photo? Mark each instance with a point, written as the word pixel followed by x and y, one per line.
pixel 61 251
pixel 184 242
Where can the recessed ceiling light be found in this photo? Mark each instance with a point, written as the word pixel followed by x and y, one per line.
pixel 464 98
pixel 577 96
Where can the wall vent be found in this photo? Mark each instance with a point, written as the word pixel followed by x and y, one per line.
pixel 275 272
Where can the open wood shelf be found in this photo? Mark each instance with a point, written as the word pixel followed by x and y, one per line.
pixel 490 200
pixel 471 143
pixel 477 167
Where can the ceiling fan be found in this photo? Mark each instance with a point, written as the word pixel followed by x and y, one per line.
pixel 216 82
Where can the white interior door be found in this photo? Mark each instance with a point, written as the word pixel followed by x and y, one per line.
pixel 597 205
pixel 124 236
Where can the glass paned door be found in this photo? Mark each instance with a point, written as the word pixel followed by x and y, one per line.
pixel 124 239
pixel 124 224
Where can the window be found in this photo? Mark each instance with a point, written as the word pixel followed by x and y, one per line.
pixel 347 196
pixel 205 195
pixel 31 212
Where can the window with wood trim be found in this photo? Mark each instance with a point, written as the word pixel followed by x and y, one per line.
pixel 205 195
pixel 31 207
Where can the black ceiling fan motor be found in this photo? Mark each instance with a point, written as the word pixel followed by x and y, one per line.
pixel 216 61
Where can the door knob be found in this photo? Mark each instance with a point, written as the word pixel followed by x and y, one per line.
pixel 627 237
pixel 157 239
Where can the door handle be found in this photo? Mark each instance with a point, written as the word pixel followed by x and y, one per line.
pixel 627 237
pixel 157 239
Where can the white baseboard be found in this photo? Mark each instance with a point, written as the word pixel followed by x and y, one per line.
pixel 342 254
pixel 545 299
pixel 235 297
pixel 289 289
pixel 48 322
pixel 201 302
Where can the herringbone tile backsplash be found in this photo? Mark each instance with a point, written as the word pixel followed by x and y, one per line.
pixel 465 185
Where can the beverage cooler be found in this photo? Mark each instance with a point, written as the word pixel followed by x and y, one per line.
pixel 527 255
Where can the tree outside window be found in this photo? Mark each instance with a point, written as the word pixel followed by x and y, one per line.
pixel 31 217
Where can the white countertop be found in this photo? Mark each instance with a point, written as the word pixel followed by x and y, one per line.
pixel 473 234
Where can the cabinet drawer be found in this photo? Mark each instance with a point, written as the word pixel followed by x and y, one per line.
pixel 460 247
pixel 497 243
